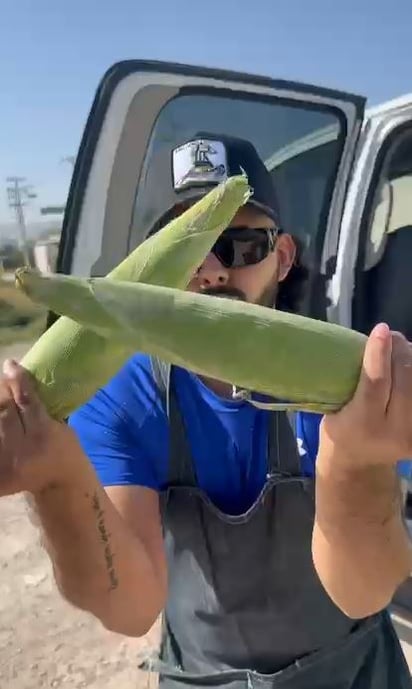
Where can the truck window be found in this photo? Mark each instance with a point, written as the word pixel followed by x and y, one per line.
pixel 383 288
pixel 304 180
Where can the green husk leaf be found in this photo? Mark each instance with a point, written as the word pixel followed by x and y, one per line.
pixel 307 363
pixel 70 361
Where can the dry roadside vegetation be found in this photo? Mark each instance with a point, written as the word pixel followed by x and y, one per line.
pixel 20 319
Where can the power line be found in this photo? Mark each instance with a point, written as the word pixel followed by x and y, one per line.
pixel 18 195
pixel 69 159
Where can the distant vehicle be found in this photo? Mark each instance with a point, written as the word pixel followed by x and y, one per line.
pixel 45 252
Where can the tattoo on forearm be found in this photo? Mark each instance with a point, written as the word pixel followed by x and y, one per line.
pixel 105 539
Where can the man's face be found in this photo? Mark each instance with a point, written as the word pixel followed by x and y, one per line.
pixel 255 283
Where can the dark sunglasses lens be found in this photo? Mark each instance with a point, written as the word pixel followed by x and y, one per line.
pixel 236 251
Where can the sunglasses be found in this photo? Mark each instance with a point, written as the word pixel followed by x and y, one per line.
pixel 244 246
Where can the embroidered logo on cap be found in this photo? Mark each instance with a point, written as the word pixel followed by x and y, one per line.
pixel 199 162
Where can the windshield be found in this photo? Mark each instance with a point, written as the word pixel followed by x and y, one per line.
pixel 289 138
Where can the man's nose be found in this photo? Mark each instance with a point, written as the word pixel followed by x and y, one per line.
pixel 212 273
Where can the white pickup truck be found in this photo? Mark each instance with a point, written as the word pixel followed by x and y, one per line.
pixel 343 176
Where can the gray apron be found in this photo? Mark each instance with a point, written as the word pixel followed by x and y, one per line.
pixel 245 606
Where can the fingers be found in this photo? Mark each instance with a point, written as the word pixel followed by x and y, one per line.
pixel 400 408
pixel 375 383
pixel 10 422
pixel 24 394
pixel 401 365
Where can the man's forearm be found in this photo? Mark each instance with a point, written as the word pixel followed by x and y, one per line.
pixel 361 548
pixel 99 563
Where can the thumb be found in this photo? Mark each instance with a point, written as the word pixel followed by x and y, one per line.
pixel 23 389
pixel 375 381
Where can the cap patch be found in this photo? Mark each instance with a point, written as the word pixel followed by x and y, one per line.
pixel 202 161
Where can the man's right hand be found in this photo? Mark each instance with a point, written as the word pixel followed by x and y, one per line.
pixel 33 447
pixel 107 552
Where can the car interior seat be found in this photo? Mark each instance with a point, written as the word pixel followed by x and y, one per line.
pixel 388 260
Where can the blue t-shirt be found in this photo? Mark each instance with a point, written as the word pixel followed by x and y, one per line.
pixel 124 431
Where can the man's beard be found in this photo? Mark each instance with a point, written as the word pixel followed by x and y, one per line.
pixel 267 298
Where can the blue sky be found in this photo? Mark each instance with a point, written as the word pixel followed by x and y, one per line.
pixel 53 54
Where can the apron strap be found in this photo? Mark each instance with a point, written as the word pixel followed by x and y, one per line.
pixel 161 374
pixel 283 455
pixel 181 468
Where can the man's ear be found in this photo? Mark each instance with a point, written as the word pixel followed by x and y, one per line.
pixel 286 252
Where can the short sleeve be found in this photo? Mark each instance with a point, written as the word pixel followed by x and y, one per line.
pixel 123 429
pixel 405 469
pixel 307 435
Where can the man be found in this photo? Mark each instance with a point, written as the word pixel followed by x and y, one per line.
pixel 165 493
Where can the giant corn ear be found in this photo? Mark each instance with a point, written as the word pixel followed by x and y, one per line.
pixel 306 363
pixel 69 361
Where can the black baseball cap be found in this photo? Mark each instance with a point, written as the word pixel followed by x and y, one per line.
pixel 190 170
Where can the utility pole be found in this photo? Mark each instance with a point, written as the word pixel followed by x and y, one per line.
pixel 18 195
pixel 69 159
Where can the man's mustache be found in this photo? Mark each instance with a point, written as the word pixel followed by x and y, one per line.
pixel 225 292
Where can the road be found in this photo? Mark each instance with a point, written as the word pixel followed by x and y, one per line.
pixel 44 642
